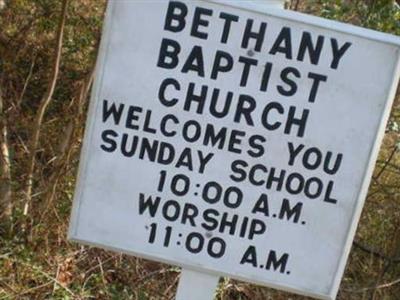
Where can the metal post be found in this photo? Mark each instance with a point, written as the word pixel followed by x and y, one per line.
pixel 196 286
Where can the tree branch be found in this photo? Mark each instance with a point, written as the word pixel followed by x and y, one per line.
pixel 43 106
pixel 5 166
pixel 374 252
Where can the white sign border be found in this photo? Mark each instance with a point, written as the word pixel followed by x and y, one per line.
pixel 259 8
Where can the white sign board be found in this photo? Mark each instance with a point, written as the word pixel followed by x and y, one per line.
pixel 233 141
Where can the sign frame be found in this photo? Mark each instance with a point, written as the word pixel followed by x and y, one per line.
pixel 293 16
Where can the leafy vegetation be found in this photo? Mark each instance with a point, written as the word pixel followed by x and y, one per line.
pixel 37 261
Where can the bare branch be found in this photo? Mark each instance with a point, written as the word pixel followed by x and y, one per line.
pixel 375 287
pixel 374 252
pixel 386 163
pixel 66 145
pixel 5 166
pixel 43 106
pixel 28 78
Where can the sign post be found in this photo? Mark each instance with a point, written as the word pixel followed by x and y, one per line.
pixel 233 139
pixel 196 285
